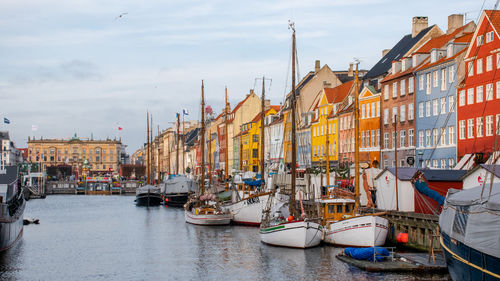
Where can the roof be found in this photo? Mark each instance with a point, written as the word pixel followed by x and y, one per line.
pixel 338 94
pixel 492 169
pixel 427 63
pixel 439 41
pixel 404 173
pixel 443 175
pixel 403 46
pixel 402 73
pixel 4 135
pixel 240 103
pixel 494 17
pixel 464 38
pixel 257 117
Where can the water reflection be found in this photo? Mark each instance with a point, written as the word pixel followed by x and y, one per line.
pixel 109 238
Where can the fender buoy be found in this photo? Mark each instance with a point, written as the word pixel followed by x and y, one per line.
pixel 402 237
pixel 290 218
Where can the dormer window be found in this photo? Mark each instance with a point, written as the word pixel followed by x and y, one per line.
pixel 449 51
pixel 433 56
pixel 403 65
pixel 479 40
pixel 414 60
pixel 393 67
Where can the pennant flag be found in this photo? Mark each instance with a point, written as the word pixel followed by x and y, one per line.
pixel 6 121
pixel 120 128
pixel 34 127
pixel 185 112
pixel 208 109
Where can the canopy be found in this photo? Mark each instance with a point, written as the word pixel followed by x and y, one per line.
pixel 254 182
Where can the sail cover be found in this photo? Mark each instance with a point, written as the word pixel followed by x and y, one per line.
pixel 254 182
pixel 473 219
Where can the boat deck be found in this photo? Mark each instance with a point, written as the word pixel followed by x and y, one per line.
pixel 402 262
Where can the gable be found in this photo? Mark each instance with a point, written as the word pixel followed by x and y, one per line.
pixel 484 25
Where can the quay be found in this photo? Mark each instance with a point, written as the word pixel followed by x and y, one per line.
pixel 71 187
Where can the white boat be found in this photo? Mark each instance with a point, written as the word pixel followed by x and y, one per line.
pixel 201 216
pixel 359 231
pixel 248 211
pixel 295 234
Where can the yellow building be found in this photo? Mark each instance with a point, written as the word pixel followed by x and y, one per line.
pixel 325 123
pixel 102 156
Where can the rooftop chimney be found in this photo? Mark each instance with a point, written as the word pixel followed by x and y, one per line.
pixel 454 21
pixel 316 66
pixel 251 91
pixel 350 73
pixel 419 24
pixel 385 51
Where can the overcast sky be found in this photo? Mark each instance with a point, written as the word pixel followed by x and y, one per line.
pixel 76 66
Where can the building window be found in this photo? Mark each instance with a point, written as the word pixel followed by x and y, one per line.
pixel 443 163
pixel 479 94
pixel 489 37
pixel 386 116
pixel 421 82
pixel 420 109
pixel 443 136
pixel 479 40
pixel 410 111
pixel 433 56
pixel 489 63
pixel 461 133
pixel 443 79
pixel 498 60
pixel 421 138
pixel 435 163
pixel 386 92
pixel 449 50
pixel 489 91
pixel 451 74
pixel 362 111
pixel 451 104
pixel 479 127
pixel 470 128
pixel 461 98
pixel 255 153
pixel 428 89
pixel 255 138
pixel 479 66
pixel 394 114
pixel 489 125
pixel 377 139
pixel 395 89
pixel 428 108
pixel 402 113
pixel 451 134
pixel 403 87
pixel 498 89
pixel 443 106
pixel 402 138
pixel 470 96
pixel 394 144
pixel 435 111
pixel 362 139
pixel 378 109
pixel 427 138
pixel 435 137
pixel 451 163
pixel 373 144
pixel 373 109
pixel 386 140
pixel 410 85
pixel 471 68
pixel 435 79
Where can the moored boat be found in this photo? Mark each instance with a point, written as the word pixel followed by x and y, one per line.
pixel 12 206
pixel 176 190
pixel 293 234
pixel 148 195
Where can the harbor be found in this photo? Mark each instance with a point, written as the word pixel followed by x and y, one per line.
pixel 82 238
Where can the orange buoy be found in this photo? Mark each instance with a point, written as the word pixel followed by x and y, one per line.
pixel 402 237
pixel 290 218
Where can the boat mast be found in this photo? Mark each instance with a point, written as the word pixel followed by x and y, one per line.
pixel 183 146
pixel 356 141
pixel 327 147
pixel 202 140
pixel 226 166
pixel 262 116
pixel 177 150
pixel 396 158
pixel 159 168
pixel 151 150
pixel 147 147
pixel 294 144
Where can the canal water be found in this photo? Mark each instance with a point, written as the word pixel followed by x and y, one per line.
pixel 109 238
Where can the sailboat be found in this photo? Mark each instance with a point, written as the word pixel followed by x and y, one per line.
pixel 148 195
pixel 343 224
pixel 248 210
pixel 295 232
pixel 204 209
pixel 177 189
pixel 12 203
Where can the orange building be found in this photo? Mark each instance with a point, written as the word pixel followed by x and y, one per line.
pixel 369 126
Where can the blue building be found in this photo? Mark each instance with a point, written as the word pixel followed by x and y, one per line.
pixel 435 99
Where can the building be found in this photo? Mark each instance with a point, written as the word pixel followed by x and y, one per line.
pixel 10 155
pixel 435 87
pixel 276 137
pixel 369 126
pixel 478 114
pixel 85 156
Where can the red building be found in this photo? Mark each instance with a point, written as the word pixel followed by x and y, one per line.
pixel 478 96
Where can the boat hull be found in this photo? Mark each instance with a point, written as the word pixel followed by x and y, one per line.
pixel 466 263
pixel 362 231
pixel 298 234
pixel 148 199
pixel 248 211
pixel 177 200
pixel 209 219
pixel 11 227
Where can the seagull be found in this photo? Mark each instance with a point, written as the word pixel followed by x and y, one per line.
pixel 120 16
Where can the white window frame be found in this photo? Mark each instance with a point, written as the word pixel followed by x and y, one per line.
pixel 421 109
pixel 386 91
pixel 451 73
pixel 410 137
pixel 443 136
pixel 402 113
pixel 461 98
pixel 479 66
pixel 489 91
pixel 443 79
pixel 498 89
pixel 411 85
pixel 470 96
pixel 394 114
pixel 421 140
pixel 421 82
pixel 479 94
pixel 402 87
pixel 479 127
pixel 479 40
pixel 435 137
pixel 451 104
pixel 435 108
pixel 435 79
pixel 461 131
pixel 443 105
pixel 428 85
pixel 489 63
pixel 410 111
pixel 470 128
pixel 386 116
pixel 402 138
pixel 428 138
pixel 443 163
pixel 489 37
pixel 428 111
pixel 489 125
pixel 451 135
pixel 395 89
pixel 470 66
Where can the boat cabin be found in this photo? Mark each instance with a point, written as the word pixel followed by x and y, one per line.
pixel 337 209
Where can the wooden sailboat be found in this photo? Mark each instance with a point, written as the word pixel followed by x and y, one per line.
pixel 295 232
pixel 204 209
pixel 248 210
pixel 343 224
pixel 148 195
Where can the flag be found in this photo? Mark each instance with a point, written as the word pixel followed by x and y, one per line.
pixel 208 109
pixel 6 121
pixel 185 112
pixel 120 128
pixel 34 127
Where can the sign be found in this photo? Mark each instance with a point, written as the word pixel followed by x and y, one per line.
pixel 410 160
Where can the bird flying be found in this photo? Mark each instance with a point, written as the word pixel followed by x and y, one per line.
pixel 120 16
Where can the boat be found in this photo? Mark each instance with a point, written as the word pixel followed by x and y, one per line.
pixel 201 208
pixel 148 195
pixel 344 225
pixel 12 205
pixel 470 227
pixel 294 231
pixel 177 189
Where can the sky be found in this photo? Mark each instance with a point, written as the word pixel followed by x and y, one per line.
pixel 77 66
